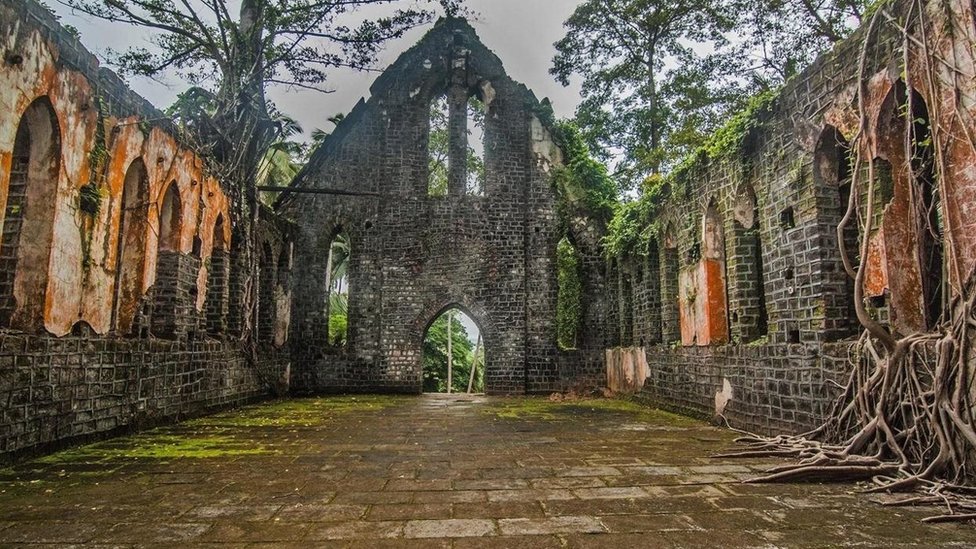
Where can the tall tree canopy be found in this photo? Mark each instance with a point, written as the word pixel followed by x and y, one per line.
pixel 647 91
pixel 231 50
pixel 659 75
pixel 784 36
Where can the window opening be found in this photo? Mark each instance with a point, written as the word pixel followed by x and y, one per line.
pixel 453 354
pixel 338 283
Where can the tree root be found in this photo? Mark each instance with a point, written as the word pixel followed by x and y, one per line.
pixel 824 473
pixel 905 418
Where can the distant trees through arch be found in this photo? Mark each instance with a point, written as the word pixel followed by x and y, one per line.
pixel 453 354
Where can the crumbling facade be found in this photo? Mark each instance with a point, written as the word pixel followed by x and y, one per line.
pixel 751 307
pixel 134 289
pixel 122 264
pixel 413 253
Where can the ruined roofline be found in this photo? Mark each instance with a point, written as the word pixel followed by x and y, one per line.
pixel 121 101
pixel 446 28
pixel 72 53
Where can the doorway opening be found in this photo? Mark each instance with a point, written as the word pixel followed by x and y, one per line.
pixel 453 354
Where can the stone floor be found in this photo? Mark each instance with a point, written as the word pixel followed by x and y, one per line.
pixel 435 472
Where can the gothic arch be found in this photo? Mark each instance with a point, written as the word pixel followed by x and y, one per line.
pixel 29 210
pixel 170 219
pixel 131 256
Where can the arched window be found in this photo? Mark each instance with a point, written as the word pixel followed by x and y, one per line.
pixel 29 210
pixel 652 294
pixel 131 257
pixel 613 321
pixel 569 297
pixel 282 295
pixel 170 219
pixel 713 327
pixel 218 270
pixel 475 141
pixel 906 167
pixel 749 318
pixel 929 214
pixel 625 302
pixel 340 253
pixel 832 175
pixel 171 296
pixel 456 144
pixel 438 154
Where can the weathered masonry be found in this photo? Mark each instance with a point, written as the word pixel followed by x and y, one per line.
pixel 134 289
pixel 741 304
pixel 121 260
pixel 486 244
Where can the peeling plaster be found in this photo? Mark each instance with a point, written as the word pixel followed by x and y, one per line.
pixel 80 289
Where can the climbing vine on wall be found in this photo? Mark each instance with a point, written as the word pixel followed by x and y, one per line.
pixel 633 222
pixel 569 303
pixel 90 195
pixel 583 185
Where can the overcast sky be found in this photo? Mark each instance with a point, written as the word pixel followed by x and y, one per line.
pixel 520 32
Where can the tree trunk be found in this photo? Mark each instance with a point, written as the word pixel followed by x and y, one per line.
pixel 653 107
pixel 474 364
pixel 450 352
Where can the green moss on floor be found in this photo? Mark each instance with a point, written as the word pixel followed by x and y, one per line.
pixel 160 444
pixel 304 412
pixel 242 432
pixel 547 410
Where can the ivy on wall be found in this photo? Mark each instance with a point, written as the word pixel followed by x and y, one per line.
pixel 633 222
pixel 569 302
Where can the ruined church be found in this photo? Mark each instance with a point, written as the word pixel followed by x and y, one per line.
pixel 125 274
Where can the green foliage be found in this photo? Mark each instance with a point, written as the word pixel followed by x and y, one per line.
pixel 98 154
pixel 339 254
pixel 627 228
pixel 338 328
pixel 781 37
pixel 90 199
pixel 462 352
pixel 569 301
pixel 283 159
pixel 728 138
pixel 583 183
pixel 438 149
pixel 233 51
pixel 647 91
pixel 438 145
pixel 630 228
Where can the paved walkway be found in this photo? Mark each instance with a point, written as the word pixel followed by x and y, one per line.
pixel 436 472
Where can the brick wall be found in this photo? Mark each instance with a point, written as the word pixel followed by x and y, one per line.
pixel 77 375
pixel 56 391
pixel 780 195
pixel 413 255
pixel 775 388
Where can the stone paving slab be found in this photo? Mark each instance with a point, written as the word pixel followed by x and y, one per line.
pixel 437 472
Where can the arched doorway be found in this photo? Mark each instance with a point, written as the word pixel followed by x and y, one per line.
pixel 453 354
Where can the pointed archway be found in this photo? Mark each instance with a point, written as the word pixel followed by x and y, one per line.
pixel 453 354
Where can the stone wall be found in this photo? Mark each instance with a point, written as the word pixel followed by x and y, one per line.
pixel 124 263
pixel 744 273
pixel 414 254
pixel 61 390
pixel 763 389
